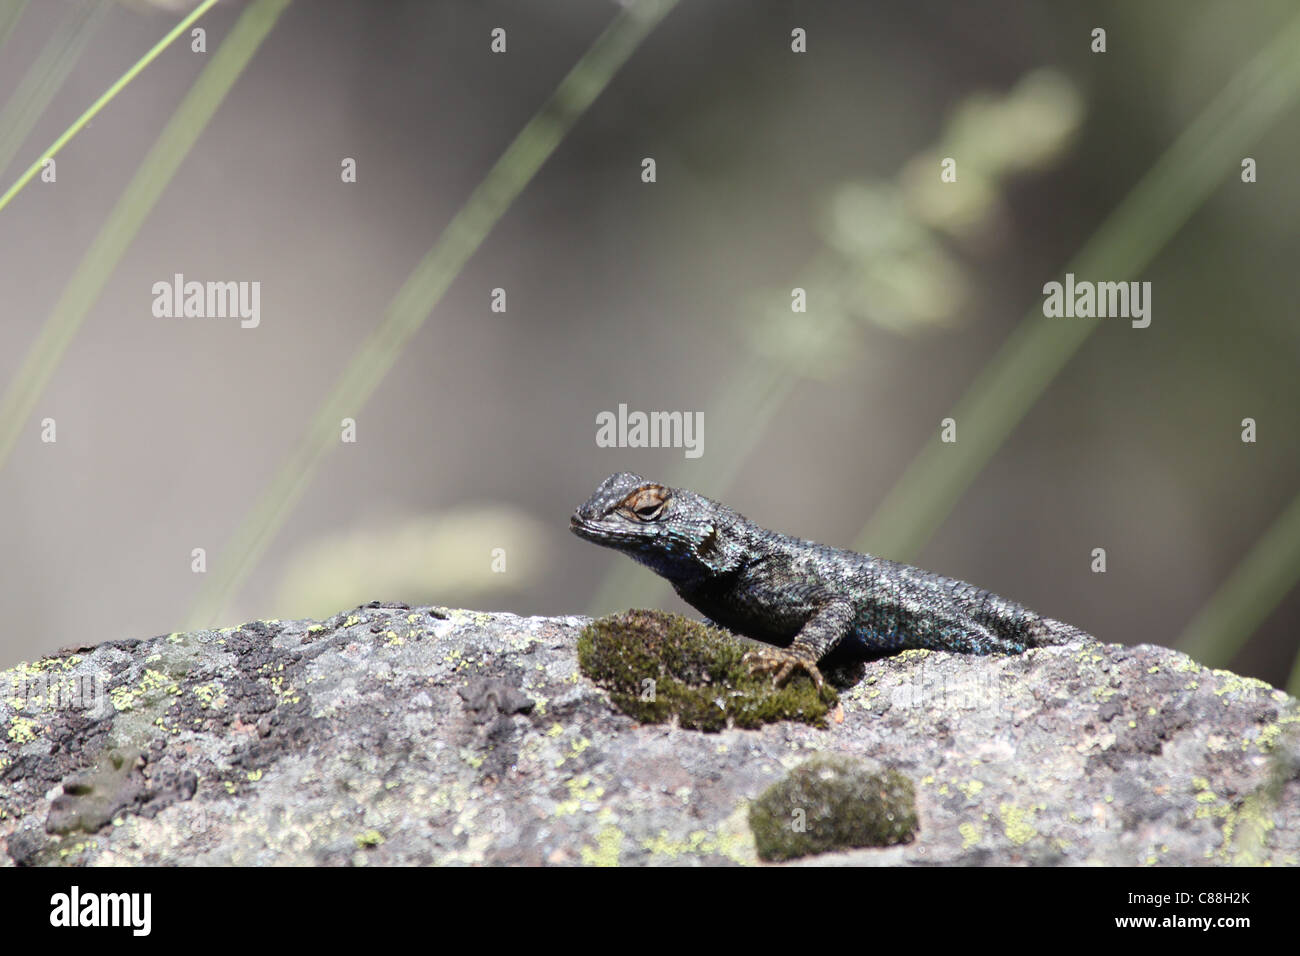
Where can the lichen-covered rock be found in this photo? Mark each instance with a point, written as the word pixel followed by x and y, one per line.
pixel 397 735
pixel 832 802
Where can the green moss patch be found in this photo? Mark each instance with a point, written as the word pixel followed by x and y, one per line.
pixel 829 803
pixel 657 666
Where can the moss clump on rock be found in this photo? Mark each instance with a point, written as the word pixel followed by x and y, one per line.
pixel 832 802
pixel 657 666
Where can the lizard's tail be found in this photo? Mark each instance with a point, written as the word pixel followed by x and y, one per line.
pixel 1047 633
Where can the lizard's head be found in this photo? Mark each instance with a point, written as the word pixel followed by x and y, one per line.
pixel 673 531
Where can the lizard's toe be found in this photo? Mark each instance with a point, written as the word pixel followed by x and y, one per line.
pixel 782 664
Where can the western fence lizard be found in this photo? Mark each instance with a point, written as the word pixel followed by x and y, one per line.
pixel 805 598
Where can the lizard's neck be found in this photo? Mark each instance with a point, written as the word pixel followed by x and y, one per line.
pixel 678 569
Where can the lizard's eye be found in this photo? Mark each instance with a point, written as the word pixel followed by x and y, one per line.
pixel 649 511
pixel 647 504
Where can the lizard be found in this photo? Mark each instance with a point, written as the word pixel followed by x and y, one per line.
pixel 804 598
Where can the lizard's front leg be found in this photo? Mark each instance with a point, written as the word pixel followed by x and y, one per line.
pixel 815 640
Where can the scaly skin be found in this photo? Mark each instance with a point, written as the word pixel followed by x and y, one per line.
pixel 805 598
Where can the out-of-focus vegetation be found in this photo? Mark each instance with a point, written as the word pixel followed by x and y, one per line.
pixel 426 559
pixel 1115 166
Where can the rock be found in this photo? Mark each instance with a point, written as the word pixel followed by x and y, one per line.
pixel 413 736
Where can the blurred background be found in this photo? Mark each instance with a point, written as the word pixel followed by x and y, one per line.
pixel 773 170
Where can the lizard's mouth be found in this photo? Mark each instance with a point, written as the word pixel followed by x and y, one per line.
pixel 587 530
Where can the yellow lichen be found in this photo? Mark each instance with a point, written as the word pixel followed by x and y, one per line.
pixel 697 843
pixel 1016 824
pixel 23 730
pixel 971 789
pixel 125 698
pixel 609 844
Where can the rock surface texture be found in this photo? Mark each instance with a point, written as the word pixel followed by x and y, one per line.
pixel 391 735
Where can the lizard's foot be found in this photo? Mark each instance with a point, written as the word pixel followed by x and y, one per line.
pixel 782 663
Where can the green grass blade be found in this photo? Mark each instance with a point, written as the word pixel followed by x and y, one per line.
pixel 46 74
pixel 9 17
pixel 104 100
pixel 421 292
pixel 129 213
pixel 1249 595
pixel 1130 238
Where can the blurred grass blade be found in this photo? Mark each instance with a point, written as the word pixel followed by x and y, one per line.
pixel 421 292
pixel 10 14
pixel 1255 587
pixel 104 100
pixel 1129 239
pixel 129 213
pixel 46 74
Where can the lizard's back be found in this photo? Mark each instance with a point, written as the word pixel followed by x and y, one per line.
pixel 900 606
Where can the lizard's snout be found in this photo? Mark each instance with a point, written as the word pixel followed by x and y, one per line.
pixel 583 522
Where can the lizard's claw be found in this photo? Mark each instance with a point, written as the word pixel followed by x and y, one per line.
pixel 782 663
